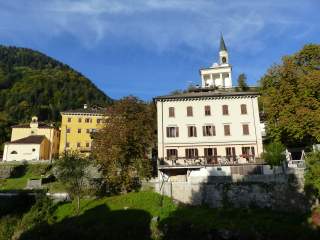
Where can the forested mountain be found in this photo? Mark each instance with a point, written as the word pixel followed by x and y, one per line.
pixel 32 83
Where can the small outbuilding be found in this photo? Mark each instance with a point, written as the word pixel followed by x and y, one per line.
pixel 31 148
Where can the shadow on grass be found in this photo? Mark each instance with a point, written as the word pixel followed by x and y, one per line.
pixel 96 223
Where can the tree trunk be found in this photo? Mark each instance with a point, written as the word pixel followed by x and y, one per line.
pixel 78 205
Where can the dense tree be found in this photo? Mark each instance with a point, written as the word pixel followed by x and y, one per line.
pixel 274 154
pixel 32 83
pixel 242 82
pixel 290 98
pixel 72 170
pixel 123 146
pixel 312 174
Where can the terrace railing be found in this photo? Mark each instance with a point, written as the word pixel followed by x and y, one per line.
pixel 209 160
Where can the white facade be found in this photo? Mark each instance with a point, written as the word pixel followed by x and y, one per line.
pixel 21 152
pixel 235 119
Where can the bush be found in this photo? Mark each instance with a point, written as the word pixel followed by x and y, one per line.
pixel 274 154
pixel 312 175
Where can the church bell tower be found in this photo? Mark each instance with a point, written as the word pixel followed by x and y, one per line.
pixel 219 74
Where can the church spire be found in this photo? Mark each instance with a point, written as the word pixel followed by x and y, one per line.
pixel 222 44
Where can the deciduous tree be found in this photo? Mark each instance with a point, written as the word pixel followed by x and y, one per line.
pixel 290 98
pixel 123 146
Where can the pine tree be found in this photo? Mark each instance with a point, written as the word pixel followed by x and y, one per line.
pixel 242 82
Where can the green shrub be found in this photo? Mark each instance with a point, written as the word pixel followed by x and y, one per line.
pixel 274 154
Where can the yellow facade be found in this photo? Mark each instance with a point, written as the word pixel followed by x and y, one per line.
pixel 38 128
pixel 76 129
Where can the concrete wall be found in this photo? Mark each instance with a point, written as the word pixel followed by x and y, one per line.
pixel 278 191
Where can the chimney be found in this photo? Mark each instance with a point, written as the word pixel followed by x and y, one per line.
pixel 85 106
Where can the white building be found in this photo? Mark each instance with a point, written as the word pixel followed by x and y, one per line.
pixel 213 124
pixel 31 148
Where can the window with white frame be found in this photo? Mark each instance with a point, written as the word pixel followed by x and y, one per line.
pixel 209 130
pixel 172 132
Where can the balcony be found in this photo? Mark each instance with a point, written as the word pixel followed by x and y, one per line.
pixel 196 162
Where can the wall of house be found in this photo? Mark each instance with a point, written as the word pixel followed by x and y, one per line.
pixel 74 137
pixel 44 150
pixel 52 134
pixel 26 152
pixel 235 119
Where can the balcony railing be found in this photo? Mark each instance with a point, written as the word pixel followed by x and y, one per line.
pixel 209 160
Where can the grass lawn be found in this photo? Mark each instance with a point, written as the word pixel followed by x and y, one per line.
pixel 130 216
pixel 22 173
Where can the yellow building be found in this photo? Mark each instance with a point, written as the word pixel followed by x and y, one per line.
pixel 77 127
pixel 36 128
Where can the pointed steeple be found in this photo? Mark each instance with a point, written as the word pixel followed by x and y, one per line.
pixel 222 44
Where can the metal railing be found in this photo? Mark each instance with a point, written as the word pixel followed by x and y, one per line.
pixel 209 160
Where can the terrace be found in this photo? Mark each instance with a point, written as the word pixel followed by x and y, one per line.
pixel 199 161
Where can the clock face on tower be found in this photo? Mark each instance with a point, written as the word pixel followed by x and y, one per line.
pixel 224 60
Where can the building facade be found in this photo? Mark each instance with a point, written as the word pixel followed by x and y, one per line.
pixel 41 129
pixel 212 124
pixel 77 127
pixel 31 148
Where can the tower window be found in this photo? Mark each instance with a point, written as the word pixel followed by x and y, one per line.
pixel 224 60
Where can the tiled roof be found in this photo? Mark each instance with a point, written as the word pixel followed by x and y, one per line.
pixel 33 139
pixel 27 125
pixel 204 94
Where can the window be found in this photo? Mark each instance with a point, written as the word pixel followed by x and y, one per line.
pixel 189 111
pixel 211 155
pixel 245 150
pixel 243 109
pixel 79 130
pixel 245 129
pixel 88 120
pixel 209 130
pixel 33 149
pixel 88 130
pixel 171 111
pixel 79 120
pixel 14 152
pixel 67 144
pixel 99 120
pixel 224 60
pixel 226 130
pixel 68 130
pixel 69 119
pixel 191 153
pixel 78 145
pixel 225 110
pixel 172 153
pixel 172 132
pixel 87 144
pixel 32 132
pixel 231 153
pixel 192 131
pixel 207 111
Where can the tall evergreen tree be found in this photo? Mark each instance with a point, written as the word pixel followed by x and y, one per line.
pixel 242 82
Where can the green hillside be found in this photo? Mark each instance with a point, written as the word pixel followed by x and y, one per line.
pixel 32 83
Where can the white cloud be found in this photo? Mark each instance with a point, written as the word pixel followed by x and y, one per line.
pixel 156 24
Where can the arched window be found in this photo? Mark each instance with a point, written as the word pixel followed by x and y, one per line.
pixel 14 152
pixel 224 60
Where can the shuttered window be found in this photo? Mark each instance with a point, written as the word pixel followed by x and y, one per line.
pixel 227 130
pixel 209 130
pixel 172 132
pixel 191 152
pixel 172 153
pixel 192 131
pixel 245 129
pixel 171 111
pixel 225 110
pixel 243 109
pixel 207 110
pixel 189 111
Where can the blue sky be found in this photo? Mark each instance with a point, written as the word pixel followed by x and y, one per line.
pixel 148 48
